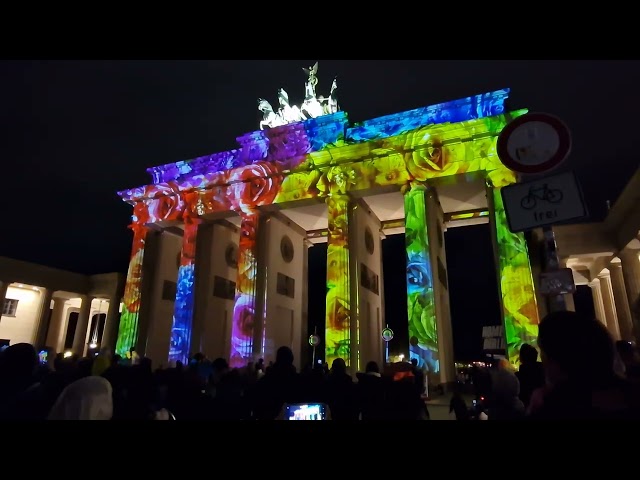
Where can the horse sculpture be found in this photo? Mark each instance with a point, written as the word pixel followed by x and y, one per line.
pixel 270 118
pixel 312 107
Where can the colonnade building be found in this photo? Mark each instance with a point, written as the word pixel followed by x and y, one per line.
pixel 68 312
pixel 605 256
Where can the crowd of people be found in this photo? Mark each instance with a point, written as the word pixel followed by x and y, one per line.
pixel 110 388
pixel 581 376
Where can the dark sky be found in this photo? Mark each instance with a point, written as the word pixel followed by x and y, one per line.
pixel 75 132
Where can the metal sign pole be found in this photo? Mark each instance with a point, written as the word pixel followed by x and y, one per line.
pixel 387 336
pixel 523 146
pixel 556 303
pixel 386 349
pixel 313 357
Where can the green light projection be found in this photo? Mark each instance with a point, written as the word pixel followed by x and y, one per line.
pixel 421 308
pixel 517 292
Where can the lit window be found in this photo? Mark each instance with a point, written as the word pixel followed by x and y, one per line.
pixel 9 308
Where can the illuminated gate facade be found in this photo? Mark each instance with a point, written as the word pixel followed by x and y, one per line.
pixel 325 159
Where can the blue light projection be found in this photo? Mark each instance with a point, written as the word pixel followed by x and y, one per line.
pixel 179 347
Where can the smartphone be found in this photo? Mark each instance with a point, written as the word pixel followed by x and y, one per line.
pixel 42 355
pixel 306 411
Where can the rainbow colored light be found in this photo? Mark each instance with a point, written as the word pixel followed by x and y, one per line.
pixel 326 159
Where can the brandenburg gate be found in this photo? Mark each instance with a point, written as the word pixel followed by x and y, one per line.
pixel 216 224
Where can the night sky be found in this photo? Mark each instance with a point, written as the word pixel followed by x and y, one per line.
pixel 75 132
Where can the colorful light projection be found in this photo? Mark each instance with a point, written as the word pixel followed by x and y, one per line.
pixel 469 215
pixel 318 158
pixel 421 306
pixel 338 313
pixel 285 144
pixel 182 325
pixel 517 292
pixel 244 310
pixel 128 327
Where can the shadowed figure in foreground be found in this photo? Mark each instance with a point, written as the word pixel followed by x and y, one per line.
pixel 280 385
pixel 578 355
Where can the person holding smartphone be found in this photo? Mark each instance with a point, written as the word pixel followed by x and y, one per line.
pixel 281 385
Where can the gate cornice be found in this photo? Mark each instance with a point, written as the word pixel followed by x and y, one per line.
pixel 337 160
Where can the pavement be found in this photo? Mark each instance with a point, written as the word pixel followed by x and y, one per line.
pixel 439 406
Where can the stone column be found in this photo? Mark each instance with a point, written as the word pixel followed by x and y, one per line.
pixel 42 320
pixel 625 320
pixel 381 357
pixel 598 305
pixel 609 304
pixel 631 273
pixel 128 325
pixel 430 338
pixel 421 300
pixel 569 302
pixel 245 316
pixel 80 336
pixel 340 317
pixel 180 346
pixel 110 333
pixel 56 324
pixel 4 285
pixel 515 281
pixel 305 357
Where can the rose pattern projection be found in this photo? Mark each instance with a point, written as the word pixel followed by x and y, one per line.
pixel 421 308
pixel 244 310
pixel 128 326
pixel 338 313
pixel 182 325
pixel 517 291
pixel 320 158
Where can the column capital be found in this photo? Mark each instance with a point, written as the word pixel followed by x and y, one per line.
pixel 248 212
pixel 604 274
pixel 191 219
pixel 337 197
pixel 595 283
pixel 627 254
pixel 414 185
pixel 138 228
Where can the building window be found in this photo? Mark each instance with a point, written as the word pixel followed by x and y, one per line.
pixel 169 290
pixel 369 279
pixel 286 285
pixel 223 288
pixel 9 308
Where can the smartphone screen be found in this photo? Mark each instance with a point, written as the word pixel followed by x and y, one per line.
pixel 306 411
pixel 42 355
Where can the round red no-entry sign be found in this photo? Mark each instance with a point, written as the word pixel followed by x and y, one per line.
pixel 534 143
